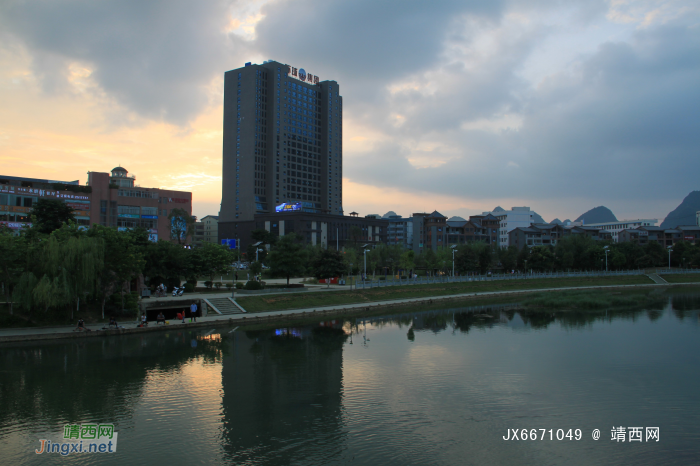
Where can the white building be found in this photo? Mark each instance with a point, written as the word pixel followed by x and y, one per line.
pixel 616 227
pixel 510 220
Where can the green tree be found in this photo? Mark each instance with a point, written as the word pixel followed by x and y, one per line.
pixel 123 261
pixel 64 270
pixel 541 258
pixel 508 257
pixel 13 253
pixel 263 235
pixel 50 214
pixel 167 262
pixel 288 257
pixel 211 259
pixel 181 225
pixel 328 265
pixel 255 267
pixel 407 261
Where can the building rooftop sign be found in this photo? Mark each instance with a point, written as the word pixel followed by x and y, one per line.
pixel 302 75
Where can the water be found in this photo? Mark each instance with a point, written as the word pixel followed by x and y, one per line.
pixel 433 387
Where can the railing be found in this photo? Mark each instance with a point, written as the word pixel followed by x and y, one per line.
pixel 495 277
pixel 668 271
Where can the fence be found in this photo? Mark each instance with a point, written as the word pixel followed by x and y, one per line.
pixel 495 277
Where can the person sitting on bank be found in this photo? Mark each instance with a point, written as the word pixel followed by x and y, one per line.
pixel 81 325
pixel 160 318
pixel 113 321
pixel 144 320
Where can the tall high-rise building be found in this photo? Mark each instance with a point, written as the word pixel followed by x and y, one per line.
pixel 283 133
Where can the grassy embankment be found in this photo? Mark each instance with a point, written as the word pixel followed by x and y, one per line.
pixel 319 299
pixel 593 300
pixel 682 277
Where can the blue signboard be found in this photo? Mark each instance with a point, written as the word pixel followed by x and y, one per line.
pixel 231 243
pixel 149 216
pixel 284 207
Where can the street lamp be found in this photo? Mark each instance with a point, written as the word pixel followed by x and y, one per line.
pixel 364 252
pixel 256 253
pixel 606 257
pixel 349 274
pixel 669 256
pixel 454 250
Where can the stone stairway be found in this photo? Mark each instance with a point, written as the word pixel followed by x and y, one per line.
pixel 224 305
pixel 657 279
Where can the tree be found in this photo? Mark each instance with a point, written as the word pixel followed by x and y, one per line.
pixel 328 265
pixel 51 214
pixel 264 236
pixel 211 259
pixel 255 267
pixel 508 257
pixel 65 268
pixel 13 253
pixel 541 258
pixel 288 256
pixel 181 225
pixel 407 261
pixel 123 260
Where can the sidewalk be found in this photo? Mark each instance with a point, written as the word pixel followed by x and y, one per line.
pixel 49 333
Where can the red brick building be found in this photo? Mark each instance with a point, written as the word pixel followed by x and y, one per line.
pixel 116 201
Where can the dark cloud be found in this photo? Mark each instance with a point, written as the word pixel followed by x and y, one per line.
pixel 619 124
pixel 155 58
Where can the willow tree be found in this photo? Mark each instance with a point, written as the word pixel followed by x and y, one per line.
pixel 13 253
pixel 63 270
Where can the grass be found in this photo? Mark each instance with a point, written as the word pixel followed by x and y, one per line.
pixel 335 298
pixel 597 299
pixel 682 277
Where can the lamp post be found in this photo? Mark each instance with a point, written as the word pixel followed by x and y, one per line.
pixel 256 253
pixel 606 257
pixel 454 250
pixel 349 275
pixel 364 253
pixel 669 256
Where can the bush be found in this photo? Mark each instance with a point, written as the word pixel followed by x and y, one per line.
pixel 189 287
pixel 193 282
pixel 253 285
pixel 382 278
pixel 208 284
pixel 239 285
pixel 218 285
pixel 229 286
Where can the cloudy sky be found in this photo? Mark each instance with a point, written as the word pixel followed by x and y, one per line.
pixel 454 105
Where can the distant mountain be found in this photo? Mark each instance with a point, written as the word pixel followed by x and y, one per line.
pixel 498 209
pixel 559 222
pixel 600 214
pixel 536 218
pixel 684 214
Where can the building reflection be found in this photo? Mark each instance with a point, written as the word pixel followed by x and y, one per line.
pixel 282 394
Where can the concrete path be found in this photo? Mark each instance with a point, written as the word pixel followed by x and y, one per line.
pixel 657 279
pixel 46 333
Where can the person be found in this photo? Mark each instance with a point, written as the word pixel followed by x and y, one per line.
pixel 113 321
pixel 160 318
pixel 183 316
pixel 193 313
pixel 144 320
pixel 236 275
pixel 81 325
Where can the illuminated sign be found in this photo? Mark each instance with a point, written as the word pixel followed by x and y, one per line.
pixel 284 207
pixel 40 192
pixel 302 75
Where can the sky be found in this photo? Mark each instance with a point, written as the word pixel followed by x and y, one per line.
pixel 455 105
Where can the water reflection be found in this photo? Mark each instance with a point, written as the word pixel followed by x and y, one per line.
pixel 436 386
pixel 282 395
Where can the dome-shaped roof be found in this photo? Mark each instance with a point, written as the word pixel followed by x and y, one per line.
pixel 390 214
pixel 120 169
pixel 456 219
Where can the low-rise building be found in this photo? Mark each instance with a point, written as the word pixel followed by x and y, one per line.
pixel 616 227
pixel 548 234
pixel 109 199
pixel 327 230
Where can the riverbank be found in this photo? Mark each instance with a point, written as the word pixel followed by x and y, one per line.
pixel 254 304
pixel 291 316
